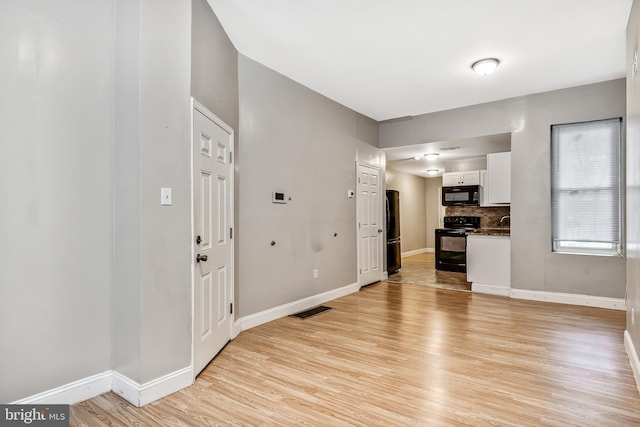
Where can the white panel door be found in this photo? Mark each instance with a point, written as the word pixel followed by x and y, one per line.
pixel 213 245
pixel 370 230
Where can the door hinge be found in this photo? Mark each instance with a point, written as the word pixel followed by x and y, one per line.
pixel 231 308
pixel 358 180
pixel 231 233
pixel 360 271
pixel 230 156
pixel 359 226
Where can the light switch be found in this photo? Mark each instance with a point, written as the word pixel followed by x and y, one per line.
pixel 165 196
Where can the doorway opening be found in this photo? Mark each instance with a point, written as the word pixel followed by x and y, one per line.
pixel 421 270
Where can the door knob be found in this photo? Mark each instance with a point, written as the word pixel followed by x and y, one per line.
pixel 379 230
pixel 201 258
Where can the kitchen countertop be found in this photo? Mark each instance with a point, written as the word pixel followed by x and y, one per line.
pixel 494 231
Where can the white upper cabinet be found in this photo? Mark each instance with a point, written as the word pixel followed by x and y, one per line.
pixel 497 189
pixel 452 179
pixel 484 190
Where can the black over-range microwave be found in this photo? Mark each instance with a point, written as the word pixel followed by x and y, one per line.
pixel 461 195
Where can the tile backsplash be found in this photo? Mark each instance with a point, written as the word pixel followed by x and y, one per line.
pixel 489 216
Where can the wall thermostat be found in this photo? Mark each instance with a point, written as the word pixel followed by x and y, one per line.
pixel 277 197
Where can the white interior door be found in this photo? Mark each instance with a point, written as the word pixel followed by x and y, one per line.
pixel 370 230
pixel 212 227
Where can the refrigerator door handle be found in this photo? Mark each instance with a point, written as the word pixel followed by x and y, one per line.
pixel 388 215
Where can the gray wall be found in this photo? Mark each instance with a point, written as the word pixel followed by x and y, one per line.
pixel 127 298
pixel 152 289
pixel 214 83
pixel 528 118
pixel 214 65
pixel 470 164
pixel 413 208
pixel 56 179
pixel 95 272
pixel 165 162
pixel 633 179
pixel 297 141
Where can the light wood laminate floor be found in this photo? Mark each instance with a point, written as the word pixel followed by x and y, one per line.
pixel 421 270
pixel 402 355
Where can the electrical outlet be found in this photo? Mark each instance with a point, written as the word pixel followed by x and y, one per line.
pixel 315 273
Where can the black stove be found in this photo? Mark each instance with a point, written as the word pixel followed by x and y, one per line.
pixel 451 242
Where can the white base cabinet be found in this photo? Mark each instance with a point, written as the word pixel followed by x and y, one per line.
pixel 489 264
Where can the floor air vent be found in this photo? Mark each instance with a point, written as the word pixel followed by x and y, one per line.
pixel 311 312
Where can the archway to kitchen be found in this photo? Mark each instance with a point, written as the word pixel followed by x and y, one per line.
pixel 416 173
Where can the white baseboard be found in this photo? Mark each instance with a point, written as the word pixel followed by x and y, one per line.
pixel 414 252
pixel 126 388
pixel 73 392
pixel 95 385
pixel 141 394
pixel 385 275
pixel 248 322
pixel 573 299
pixel 633 357
pixel 490 289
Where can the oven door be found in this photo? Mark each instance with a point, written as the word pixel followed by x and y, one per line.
pixel 451 250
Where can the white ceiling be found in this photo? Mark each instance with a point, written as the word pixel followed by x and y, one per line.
pixel 452 154
pixel 388 59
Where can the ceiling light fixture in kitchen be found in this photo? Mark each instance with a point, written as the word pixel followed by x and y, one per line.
pixel 485 66
pixel 431 156
pixel 416 158
pixel 432 171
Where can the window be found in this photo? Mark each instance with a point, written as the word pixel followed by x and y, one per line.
pixel 586 187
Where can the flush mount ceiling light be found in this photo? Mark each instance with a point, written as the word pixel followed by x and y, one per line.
pixel 416 158
pixel 431 156
pixel 432 171
pixel 485 66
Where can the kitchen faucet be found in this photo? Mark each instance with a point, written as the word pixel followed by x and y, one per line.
pixel 505 217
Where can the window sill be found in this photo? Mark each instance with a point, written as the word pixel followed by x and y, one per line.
pixel 588 254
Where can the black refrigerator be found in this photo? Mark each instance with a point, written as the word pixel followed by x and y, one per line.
pixel 393 231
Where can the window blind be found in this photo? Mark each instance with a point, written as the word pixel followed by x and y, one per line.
pixel 586 187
